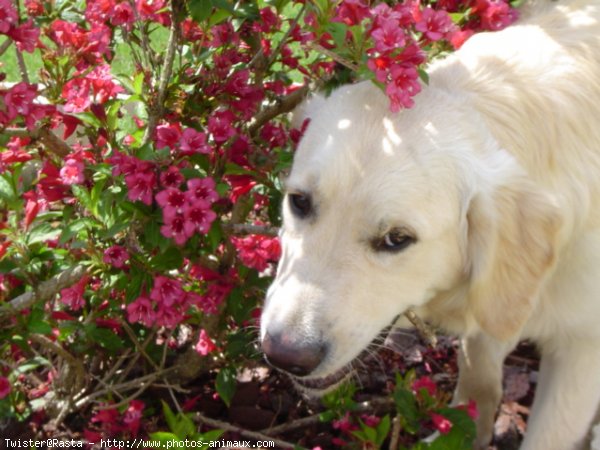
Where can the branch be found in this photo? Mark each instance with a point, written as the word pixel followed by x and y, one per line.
pixel 282 105
pixel 424 330
pixel 337 58
pixel 52 142
pixel 45 290
pixel 156 110
pixel 247 433
pixel 243 228
pixel 5 46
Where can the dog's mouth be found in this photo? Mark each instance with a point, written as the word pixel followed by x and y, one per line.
pixel 320 385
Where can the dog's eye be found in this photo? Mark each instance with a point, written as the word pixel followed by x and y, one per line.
pixel 300 204
pixel 395 240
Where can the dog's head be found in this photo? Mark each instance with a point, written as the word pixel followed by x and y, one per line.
pixel 385 212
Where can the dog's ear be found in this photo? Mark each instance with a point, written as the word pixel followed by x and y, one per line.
pixel 512 238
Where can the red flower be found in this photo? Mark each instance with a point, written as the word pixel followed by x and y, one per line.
pixel 199 215
pixel 202 189
pixel 205 344
pixel 8 15
pixel 141 310
pixel 77 94
pixel 220 126
pixel 72 172
pixel 32 208
pixel 352 12
pixel 434 24
pixel 19 99
pixel 141 186
pixel 73 296
pixel 256 251
pixel 177 228
pixel 404 85
pixel 167 291
pixel 193 141
pixel 171 177
pixel 171 201
pixel 167 135
pixel 4 387
pixel 25 36
pixel 442 424
pixel 388 36
pixel 426 383
pixel 132 418
pixel 123 15
pixel 116 256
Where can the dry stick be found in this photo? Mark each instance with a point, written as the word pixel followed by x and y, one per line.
pixel 424 330
pixel 243 228
pixel 52 142
pixel 247 433
pixel 45 290
pixel 5 45
pixel 396 428
pixel 156 110
pixel 373 404
pixel 22 66
pixel 282 105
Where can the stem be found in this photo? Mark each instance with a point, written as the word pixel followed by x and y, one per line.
pixel 5 46
pixel 157 109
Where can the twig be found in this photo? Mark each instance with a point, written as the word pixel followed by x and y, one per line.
pixel 371 405
pixel 247 433
pixel 5 46
pixel 156 110
pixel 52 142
pixel 424 330
pixel 45 290
pixel 22 66
pixel 243 228
pixel 395 435
pixel 337 58
pixel 282 105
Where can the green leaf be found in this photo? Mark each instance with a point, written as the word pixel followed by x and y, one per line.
pixel 407 408
pixel 37 323
pixel 104 337
pixel 138 84
pixel 200 10
pixel 226 384
pixel 42 233
pixel 170 259
pixel 7 192
pixel 164 438
pixel 89 119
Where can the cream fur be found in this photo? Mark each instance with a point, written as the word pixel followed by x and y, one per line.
pixel 496 170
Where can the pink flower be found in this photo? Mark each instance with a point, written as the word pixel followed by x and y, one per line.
pixel 4 387
pixel 72 172
pixel 426 383
pixel 214 296
pixel 352 12
pixel 123 15
pixel 168 317
pixel 201 189
pixel 256 251
pixel 77 92
pixel 171 201
pixel 102 83
pixel 25 36
pixel 141 186
pixel 8 15
pixel 199 215
pixel 132 418
pixel 471 409
pixel 167 135
pixel 434 24
pixel 496 14
pixel 19 99
pixel 193 141
pixel 442 424
pixel 171 177
pixel 403 87
pixel 177 228
pixel 50 187
pixel 73 296
pixel 205 344
pixel 32 207
pixel 116 256
pixel 167 291
pixel 388 36
pixel 220 126
pixel 141 310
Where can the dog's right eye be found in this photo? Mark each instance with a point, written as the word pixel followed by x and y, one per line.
pixel 300 204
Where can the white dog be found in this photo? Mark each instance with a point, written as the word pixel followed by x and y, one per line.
pixel 479 208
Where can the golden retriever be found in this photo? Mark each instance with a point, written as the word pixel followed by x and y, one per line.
pixel 479 208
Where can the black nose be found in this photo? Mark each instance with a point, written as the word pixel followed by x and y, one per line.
pixel 298 358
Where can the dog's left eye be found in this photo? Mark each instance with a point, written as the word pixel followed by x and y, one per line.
pixel 395 240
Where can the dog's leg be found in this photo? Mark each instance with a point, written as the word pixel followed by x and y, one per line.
pixel 480 379
pixel 567 397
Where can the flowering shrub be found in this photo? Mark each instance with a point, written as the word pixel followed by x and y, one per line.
pixel 142 143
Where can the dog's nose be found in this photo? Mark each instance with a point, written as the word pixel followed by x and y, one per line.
pixel 297 358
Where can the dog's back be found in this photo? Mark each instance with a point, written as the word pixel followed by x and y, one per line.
pixel 537 86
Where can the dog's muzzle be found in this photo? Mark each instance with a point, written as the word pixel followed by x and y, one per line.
pixel 289 355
